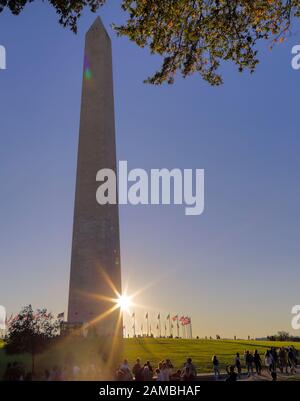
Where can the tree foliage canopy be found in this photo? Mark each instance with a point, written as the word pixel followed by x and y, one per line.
pixel 31 332
pixel 191 35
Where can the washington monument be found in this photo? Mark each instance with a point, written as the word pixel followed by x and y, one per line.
pixel 95 263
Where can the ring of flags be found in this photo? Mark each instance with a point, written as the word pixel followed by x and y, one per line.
pixel 168 327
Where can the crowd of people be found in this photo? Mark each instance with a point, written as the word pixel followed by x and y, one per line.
pixel 16 372
pixel 164 372
pixel 283 359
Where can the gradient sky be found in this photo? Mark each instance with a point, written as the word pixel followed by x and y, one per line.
pixel 234 269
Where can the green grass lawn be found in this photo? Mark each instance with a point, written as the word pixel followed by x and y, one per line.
pixel 201 351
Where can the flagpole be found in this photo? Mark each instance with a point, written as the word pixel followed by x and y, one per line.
pixel 170 326
pixel 191 327
pixel 133 324
pixel 147 324
pixel 159 326
pixel 177 327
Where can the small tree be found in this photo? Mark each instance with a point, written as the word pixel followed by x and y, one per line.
pixel 31 332
pixel 283 336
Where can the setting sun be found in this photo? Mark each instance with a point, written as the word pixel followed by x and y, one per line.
pixel 124 302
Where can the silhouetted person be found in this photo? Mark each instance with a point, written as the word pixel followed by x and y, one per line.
pixel 269 361
pixel 232 376
pixel 47 375
pixel 238 364
pixel 16 372
pixel 176 376
pixel 147 373
pixel 283 362
pixel 257 362
pixel 7 373
pixel 249 363
pixel 275 358
pixel 215 363
pixel 28 377
pixel 189 370
pixel 291 359
pixel 137 370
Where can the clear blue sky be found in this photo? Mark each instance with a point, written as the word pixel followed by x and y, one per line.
pixel 234 269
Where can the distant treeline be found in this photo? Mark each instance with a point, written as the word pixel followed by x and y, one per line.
pixel 283 336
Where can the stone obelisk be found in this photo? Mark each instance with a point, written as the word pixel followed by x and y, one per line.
pixel 95 263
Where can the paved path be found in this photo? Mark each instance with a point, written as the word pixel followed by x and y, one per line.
pixel 265 376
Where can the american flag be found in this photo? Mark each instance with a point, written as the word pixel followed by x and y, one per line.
pixel 186 321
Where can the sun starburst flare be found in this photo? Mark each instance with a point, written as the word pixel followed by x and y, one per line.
pixel 124 302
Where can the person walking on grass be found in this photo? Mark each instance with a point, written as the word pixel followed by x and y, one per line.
pixel 257 362
pixel 269 361
pixel 283 363
pixel 169 366
pixel 238 364
pixel 147 373
pixel 137 370
pixel 275 358
pixel 249 363
pixel 125 365
pixel 165 372
pixel 189 369
pixel 149 366
pixel 295 352
pixel 215 363
pixel 291 359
